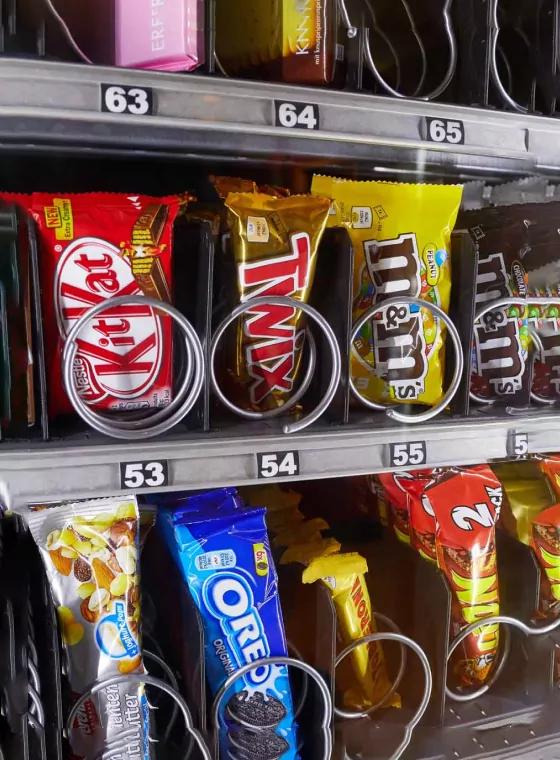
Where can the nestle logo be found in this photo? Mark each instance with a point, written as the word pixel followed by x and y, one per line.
pixel 119 352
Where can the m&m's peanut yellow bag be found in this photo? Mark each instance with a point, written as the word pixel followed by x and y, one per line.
pixel 401 235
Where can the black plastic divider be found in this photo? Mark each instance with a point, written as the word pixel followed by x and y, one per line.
pixel 193 277
pixel 39 367
pixel 462 310
pixel 332 296
pixel 472 20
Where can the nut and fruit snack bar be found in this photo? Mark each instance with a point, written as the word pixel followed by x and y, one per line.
pixel 275 243
pixel 344 576
pixel 466 503
pixel 90 550
pixel 402 236
pixel 94 247
pixel 226 562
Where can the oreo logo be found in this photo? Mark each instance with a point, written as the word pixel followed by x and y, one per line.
pixel 229 598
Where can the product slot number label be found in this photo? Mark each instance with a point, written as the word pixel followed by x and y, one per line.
pixel 412 454
pixel 153 474
pixel 451 131
pixel 296 115
pixel 517 444
pixel 137 101
pixel 283 464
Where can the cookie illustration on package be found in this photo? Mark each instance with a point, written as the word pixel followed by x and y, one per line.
pixel 256 745
pixel 255 711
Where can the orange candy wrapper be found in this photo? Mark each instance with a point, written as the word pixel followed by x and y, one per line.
pixel 466 503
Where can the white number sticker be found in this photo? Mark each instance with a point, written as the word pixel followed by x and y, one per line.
pixel 138 101
pixel 464 517
pixel 274 465
pixel 290 115
pixel 144 474
pixel 405 454
pixel 517 444
pixel 445 131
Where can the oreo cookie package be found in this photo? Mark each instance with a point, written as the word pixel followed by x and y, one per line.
pixel 225 559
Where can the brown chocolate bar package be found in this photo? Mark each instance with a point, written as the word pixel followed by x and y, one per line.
pixel 284 40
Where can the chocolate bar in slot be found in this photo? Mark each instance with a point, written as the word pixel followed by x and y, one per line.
pixel 150 225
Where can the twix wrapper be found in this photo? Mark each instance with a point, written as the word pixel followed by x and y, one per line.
pixel 402 237
pixel 275 242
pixel 344 576
pixel 90 550
pixel 466 503
pixel 96 246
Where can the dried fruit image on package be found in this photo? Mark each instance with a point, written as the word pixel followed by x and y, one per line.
pixel 466 503
pixel 402 237
pixel 91 554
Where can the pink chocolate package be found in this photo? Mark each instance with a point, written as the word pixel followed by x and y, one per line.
pixel 167 35
pixel 159 34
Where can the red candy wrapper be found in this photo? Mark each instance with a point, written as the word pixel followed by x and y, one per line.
pixel 411 514
pixel 466 503
pixel 97 246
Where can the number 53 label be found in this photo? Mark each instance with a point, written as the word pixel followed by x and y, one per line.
pixel 144 474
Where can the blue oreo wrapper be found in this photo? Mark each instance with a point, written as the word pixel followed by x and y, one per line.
pixel 225 559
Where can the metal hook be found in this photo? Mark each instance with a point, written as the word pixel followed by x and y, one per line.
pixel 459 362
pixel 333 347
pixel 148 681
pixel 422 707
pixel 504 620
pixel 163 419
pixel 287 661
pixel 452 62
pixel 494 73
pixel 351 30
pixel 67 33
pixel 469 696
pixel 351 714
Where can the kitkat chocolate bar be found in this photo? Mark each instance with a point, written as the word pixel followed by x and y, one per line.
pixel 466 503
pixel 96 246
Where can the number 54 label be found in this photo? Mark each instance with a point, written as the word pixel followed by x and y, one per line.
pixel 278 465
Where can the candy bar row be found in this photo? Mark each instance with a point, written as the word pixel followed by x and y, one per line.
pixel 184 310
pixel 463 52
pixel 458 565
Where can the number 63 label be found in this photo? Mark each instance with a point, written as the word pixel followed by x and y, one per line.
pixel 144 474
pixel 137 101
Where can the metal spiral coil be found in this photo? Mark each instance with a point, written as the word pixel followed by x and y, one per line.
pixel 422 707
pixel 504 303
pixel 160 421
pixel 322 406
pixel 325 725
pixel 391 412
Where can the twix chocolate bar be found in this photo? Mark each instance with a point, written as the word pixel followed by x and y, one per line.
pixel 275 242
pixel 98 246
pixel 466 503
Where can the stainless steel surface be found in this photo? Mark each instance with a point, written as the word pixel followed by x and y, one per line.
pixel 42 102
